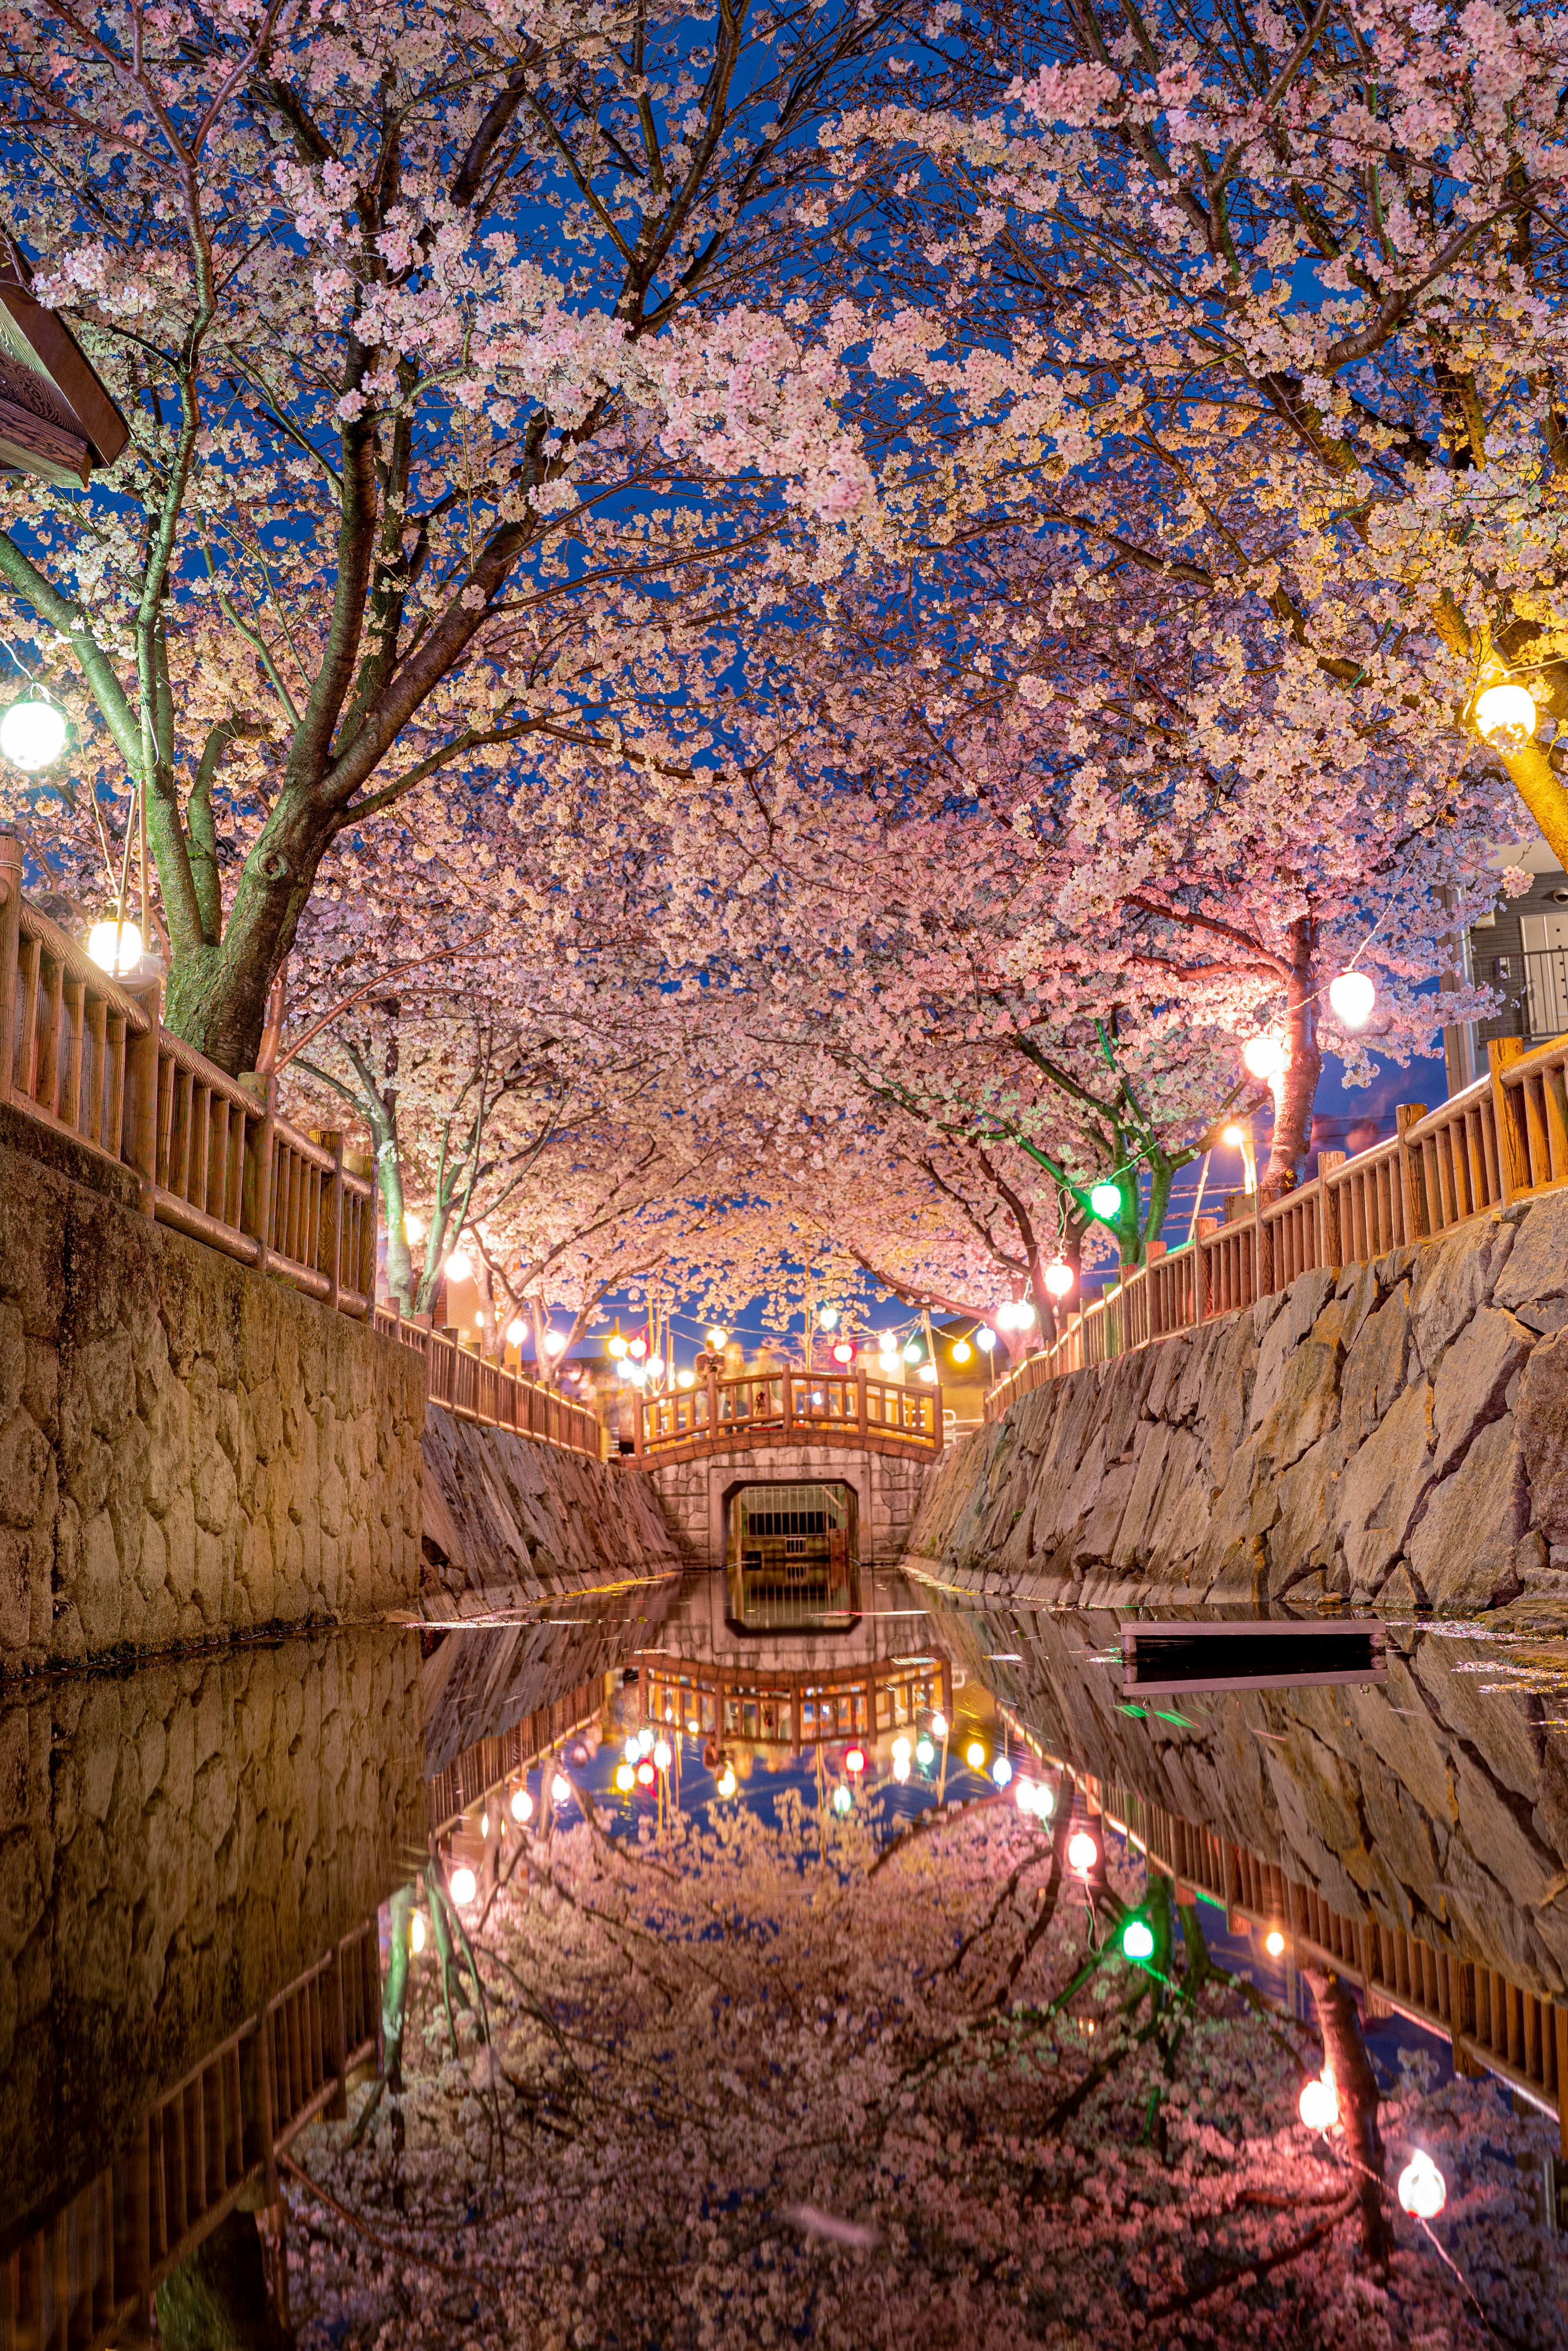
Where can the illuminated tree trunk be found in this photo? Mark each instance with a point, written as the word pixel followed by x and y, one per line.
pixel 1296 1089
pixel 1344 2048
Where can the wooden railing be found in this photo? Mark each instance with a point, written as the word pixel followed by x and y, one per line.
pixel 460 1379
pixel 1504 1138
pixel 490 1765
pixel 750 1409
pixel 89 1058
pixel 87 2274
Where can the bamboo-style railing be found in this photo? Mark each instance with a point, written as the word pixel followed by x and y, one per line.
pixel 87 2274
pixel 759 1408
pixel 1503 1139
pixel 86 1057
pixel 491 1765
pixel 460 1378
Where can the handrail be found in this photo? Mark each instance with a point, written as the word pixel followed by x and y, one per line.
pixel 848 1408
pixel 1502 1138
pixel 83 1056
pixel 459 1379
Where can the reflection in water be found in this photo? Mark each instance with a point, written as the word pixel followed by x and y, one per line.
pixel 821 2031
pixel 791 1555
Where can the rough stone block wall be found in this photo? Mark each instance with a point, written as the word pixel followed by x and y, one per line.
pixel 888 1486
pixel 1437 1802
pixel 507 1518
pixel 176 1845
pixel 188 1449
pixel 1397 1433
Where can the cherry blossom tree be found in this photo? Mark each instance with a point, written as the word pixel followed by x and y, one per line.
pixel 436 331
pixel 732 2080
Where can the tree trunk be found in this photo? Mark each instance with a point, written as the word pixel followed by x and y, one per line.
pixel 1296 1087
pixel 1344 2048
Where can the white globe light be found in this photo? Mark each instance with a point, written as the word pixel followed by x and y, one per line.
pixel 416 1933
pixel 939 1726
pixel 1352 997
pixel 1044 1802
pixel 1083 1852
pixel 901 1746
pixel 727 1781
pixel 1318 2105
pixel 1263 1057
pixel 515 1334
pixel 654 1367
pixel 901 1768
pixel 685 1379
pixel 1023 1795
pixel 925 1754
pixel 115 947
pixel 717 1338
pixel 828 1317
pixel 33 732
pixel 561 1787
pixel 662 1756
pixel 985 1340
pixel 645 1741
pixel 962 1351
pixel 912 1351
pixel 1105 1199
pixel 1274 1943
pixel 555 1342
pixel 928 1373
pixel 465 1886
pixel 522 1805
pixel 459 1266
pixel 1506 717
pixel 413 1226
pixel 1001 1771
pixel 1422 2191
pixel 1059 1279
pixel 843 1799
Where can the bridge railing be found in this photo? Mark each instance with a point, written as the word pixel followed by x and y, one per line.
pixel 84 1057
pixel 1504 1138
pixel 743 1408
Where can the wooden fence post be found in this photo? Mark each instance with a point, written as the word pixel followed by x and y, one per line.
pixel 1508 1109
pixel 1328 1209
pixel 329 1253
pixel 712 1397
pixel 10 955
pixel 255 1189
pixel 1412 1172
pixel 139 1117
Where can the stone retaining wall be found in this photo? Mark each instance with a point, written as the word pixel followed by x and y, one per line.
pixel 176 1845
pixel 1395 1432
pixel 508 1520
pixel 188 1449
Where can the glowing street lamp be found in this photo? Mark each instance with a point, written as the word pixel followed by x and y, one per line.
pixel 33 732
pixel 115 947
pixel 1240 1138
pixel 1505 715
pixel 1422 2191
pixel 1353 996
pixel 1318 2105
